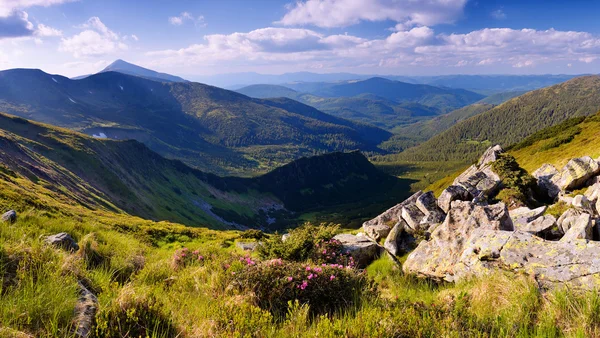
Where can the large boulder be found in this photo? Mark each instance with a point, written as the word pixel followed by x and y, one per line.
pixel 552 263
pixel 544 226
pixel 10 216
pixel 390 217
pixel 582 203
pixel 480 179
pixel 377 231
pixel 576 172
pixel 524 215
pixel 453 193
pixel 544 177
pixel 399 241
pixel 581 228
pixel 413 216
pixel 62 240
pixel 362 250
pixel 593 192
pixel 566 220
pixel 436 257
pixel 428 205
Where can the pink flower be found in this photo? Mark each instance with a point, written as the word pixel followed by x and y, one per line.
pixel 332 277
pixel 196 252
pixel 310 276
pixel 290 279
pixel 303 285
pixel 324 251
pixel 200 258
pixel 318 269
pixel 308 268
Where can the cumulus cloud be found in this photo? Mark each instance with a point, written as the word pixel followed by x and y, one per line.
pixel 341 13
pixel 16 24
pixel 418 46
pixel 187 17
pixel 96 39
pixel 498 14
pixel 47 31
pixel 9 6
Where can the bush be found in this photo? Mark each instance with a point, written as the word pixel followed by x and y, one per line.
pixel 184 257
pixel 299 245
pixel 325 288
pixel 253 234
pixel 515 179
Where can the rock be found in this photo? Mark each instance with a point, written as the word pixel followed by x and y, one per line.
pixel 568 200
pixel 429 206
pixel 593 192
pixel 62 240
pixel 285 237
pixel 391 216
pixel 361 249
pixel 413 217
pixel 392 242
pixel 436 257
pixel 544 177
pixel 551 263
pixel 85 311
pixel 10 216
pixel 544 226
pixel 584 204
pixel 594 179
pixel 581 228
pixel 377 231
pixel 576 172
pixel 566 219
pixel 453 193
pixel 490 155
pixel 247 246
pixel 525 215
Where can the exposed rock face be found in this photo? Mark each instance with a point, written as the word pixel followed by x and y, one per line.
pixel 584 204
pixel 413 217
pixel 63 240
pixel 544 177
pixel 85 311
pixel 566 220
pixel 453 193
pixel 391 216
pixel 10 216
pixel 363 250
pixel 593 192
pixel 429 206
pixel 576 173
pixel 525 215
pixel 377 231
pixel 436 257
pixel 551 263
pixel 481 179
pixel 580 228
pixel 543 226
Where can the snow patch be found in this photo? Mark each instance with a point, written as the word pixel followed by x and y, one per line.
pixel 100 135
pixel 53 79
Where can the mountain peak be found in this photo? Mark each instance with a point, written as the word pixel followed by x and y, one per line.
pixel 125 67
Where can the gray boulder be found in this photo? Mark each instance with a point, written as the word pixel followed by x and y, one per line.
pixel 399 241
pixel 377 231
pixel 574 264
pixel 10 216
pixel 363 250
pixel 584 204
pixel 413 216
pixel 453 193
pixel 593 192
pixel 581 228
pixel 480 178
pixel 544 177
pixel 544 226
pixel 576 172
pixel 490 155
pixel 566 220
pixel 391 216
pixel 525 215
pixel 247 246
pixel 62 240
pixel 428 205
pixel 435 258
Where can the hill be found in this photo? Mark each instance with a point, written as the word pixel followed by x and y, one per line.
pixel 135 70
pixel 512 121
pixel 445 99
pixel 207 127
pixel 501 97
pixel 264 91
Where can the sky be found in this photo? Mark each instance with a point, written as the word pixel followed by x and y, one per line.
pixel 392 37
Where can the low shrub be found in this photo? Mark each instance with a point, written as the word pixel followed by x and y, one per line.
pixel 300 243
pixel 185 257
pixel 253 234
pixel 516 180
pixel 325 288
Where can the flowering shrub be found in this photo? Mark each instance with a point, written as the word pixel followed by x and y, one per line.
pixel 185 257
pixel 299 245
pixel 331 252
pixel 325 287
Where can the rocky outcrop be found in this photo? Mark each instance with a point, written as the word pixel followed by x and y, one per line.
pixel 576 172
pixel 399 241
pixel 566 220
pixel 428 205
pixel 389 218
pixel 453 193
pixel 524 215
pixel 545 184
pixel 62 240
pixel 480 179
pixel 436 257
pixel 363 250
pixel 543 226
pixel 413 216
pixel 85 311
pixel 377 231
pixel 580 227
pixel 9 217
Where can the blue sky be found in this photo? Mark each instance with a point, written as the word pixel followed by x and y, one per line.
pixel 204 37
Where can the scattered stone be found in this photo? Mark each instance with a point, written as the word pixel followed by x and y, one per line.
pixel 593 192
pixel 391 216
pixel 413 216
pixel 429 206
pixel 436 257
pixel 62 240
pixel 377 231
pixel 525 215
pixel 453 193
pixel 363 250
pixel 247 246
pixel 566 219
pixel 544 177
pixel 10 216
pixel 576 173
pixel 481 179
pixel 580 228
pixel 544 226
pixel 85 311
pixel 584 204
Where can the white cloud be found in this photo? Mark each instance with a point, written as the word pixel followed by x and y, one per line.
pixel 185 17
pixel 47 31
pixel 134 37
pixel 16 24
pixel 341 13
pixel 521 64
pixel 96 40
pixel 588 59
pixel 498 14
pixel 9 6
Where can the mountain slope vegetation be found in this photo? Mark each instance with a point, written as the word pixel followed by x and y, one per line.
pixel 207 127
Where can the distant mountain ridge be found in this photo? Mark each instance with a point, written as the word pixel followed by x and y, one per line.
pixel 135 70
